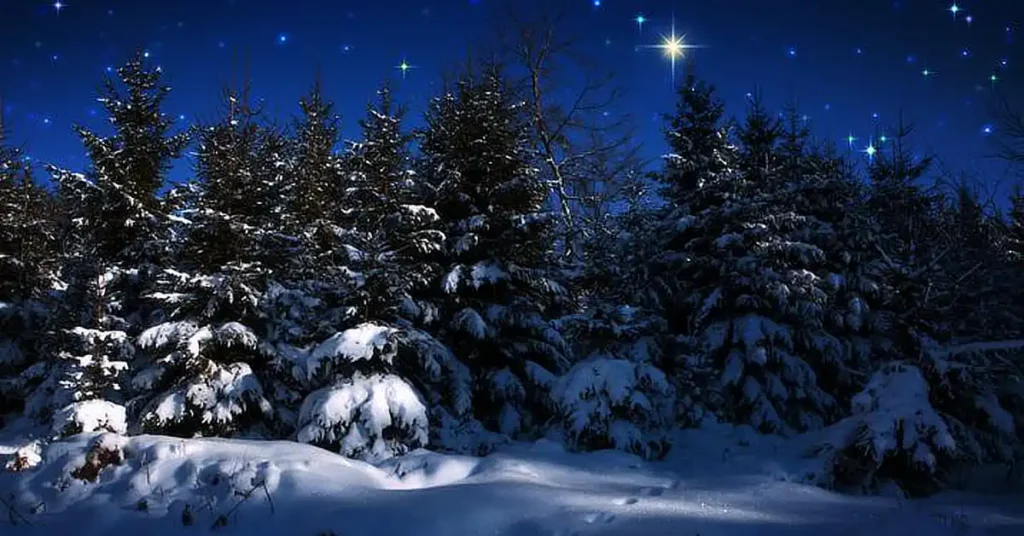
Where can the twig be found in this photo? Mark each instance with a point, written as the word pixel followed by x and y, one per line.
pixel 222 519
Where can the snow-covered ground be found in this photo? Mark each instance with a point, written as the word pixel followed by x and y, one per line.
pixel 714 483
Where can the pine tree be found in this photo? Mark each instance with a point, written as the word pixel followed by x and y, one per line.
pixel 27 250
pixel 933 403
pixel 756 297
pixel 397 235
pixel 129 168
pixel 374 356
pixel 499 286
pixel 199 371
pixel 113 237
pixel 316 192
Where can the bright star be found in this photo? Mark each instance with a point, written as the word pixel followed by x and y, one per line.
pixel 954 9
pixel 850 139
pixel 597 3
pixel 640 20
pixel 404 67
pixel 282 38
pixel 969 19
pixel 883 138
pixel 927 73
pixel 987 129
pixel 58 5
pixel 674 47
pixel 871 151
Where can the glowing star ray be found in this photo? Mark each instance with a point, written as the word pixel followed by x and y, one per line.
pixel 674 47
pixel 954 9
pixel 871 151
pixel 404 67
pixel 640 20
pixel 58 5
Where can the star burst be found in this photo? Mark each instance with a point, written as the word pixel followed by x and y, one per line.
pixel 404 67
pixel 674 47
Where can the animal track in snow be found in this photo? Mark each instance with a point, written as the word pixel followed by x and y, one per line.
pixel 599 517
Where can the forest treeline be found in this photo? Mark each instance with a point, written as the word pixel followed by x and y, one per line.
pixel 488 277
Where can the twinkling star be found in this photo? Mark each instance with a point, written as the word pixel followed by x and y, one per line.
pixel 850 139
pixel 883 138
pixel 927 73
pixel 987 130
pixel 871 151
pixel 404 67
pixel 954 9
pixel 640 20
pixel 58 5
pixel 674 46
pixel 970 19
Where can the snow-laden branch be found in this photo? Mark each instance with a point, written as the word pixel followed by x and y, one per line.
pixel 988 346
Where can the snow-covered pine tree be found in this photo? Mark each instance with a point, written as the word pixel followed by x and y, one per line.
pixel 27 250
pixel 756 304
pixel 89 350
pixel 129 167
pixel 113 239
pixel 198 372
pixel 933 403
pixel 399 240
pixel 499 284
pixel 374 385
pixel 616 396
pixel 307 300
pixel 822 186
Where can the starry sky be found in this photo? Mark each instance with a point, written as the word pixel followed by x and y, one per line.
pixel 852 65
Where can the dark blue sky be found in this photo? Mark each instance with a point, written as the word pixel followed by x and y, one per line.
pixel 852 65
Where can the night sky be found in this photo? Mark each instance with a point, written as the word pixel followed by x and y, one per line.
pixel 852 65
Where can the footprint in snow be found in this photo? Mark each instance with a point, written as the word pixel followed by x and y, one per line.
pixel 599 517
pixel 652 492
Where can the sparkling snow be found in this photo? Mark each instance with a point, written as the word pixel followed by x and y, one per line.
pixel 717 482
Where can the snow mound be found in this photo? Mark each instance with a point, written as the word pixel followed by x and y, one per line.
pixel 98 484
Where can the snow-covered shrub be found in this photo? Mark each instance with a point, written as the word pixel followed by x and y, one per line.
pixel 371 386
pixel 615 403
pixel 618 396
pixel 203 383
pixel 89 416
pixel 367 417
pixel 894 434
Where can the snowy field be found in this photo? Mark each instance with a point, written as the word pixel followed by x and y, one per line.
pixel 718 486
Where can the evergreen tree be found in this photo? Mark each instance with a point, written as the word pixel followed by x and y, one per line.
pixel 499 286
pixel 934 402
pixel 129 167
pixel 397 235
pixel 199 372
pixel 27 248
pixel 377 358
pixel 756 291
pixel 316 192
pixel 112 237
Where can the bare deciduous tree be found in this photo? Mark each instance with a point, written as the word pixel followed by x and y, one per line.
pixel 584 149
